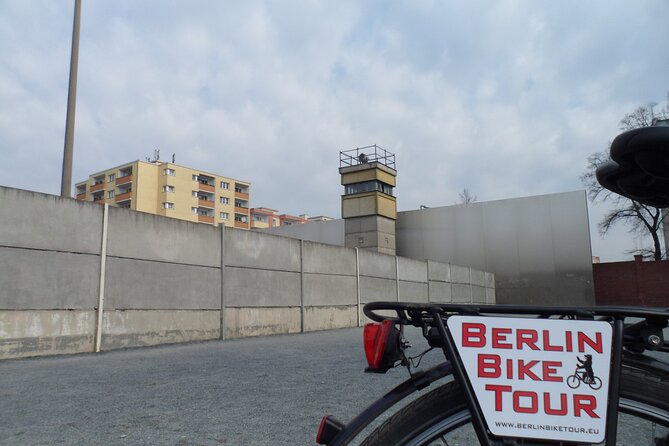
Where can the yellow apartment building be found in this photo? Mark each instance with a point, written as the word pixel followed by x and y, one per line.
pixel 167 189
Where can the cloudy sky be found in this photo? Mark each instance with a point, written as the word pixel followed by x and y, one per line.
pixel 504 98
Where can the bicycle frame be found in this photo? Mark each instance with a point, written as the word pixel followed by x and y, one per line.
pixel 628 345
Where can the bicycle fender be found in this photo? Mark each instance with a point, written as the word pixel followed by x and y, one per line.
pixel 420 380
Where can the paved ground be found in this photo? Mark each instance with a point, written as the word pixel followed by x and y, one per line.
pixel 254 391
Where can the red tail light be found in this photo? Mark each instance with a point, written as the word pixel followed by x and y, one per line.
pixel 381 346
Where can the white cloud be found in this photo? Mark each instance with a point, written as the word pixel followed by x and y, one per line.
pixel 504 98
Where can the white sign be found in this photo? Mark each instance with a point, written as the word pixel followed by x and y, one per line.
pixel 538 378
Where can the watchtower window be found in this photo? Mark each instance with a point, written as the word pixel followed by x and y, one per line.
pixel 368 186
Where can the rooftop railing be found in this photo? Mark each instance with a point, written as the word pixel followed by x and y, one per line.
pixel 364 155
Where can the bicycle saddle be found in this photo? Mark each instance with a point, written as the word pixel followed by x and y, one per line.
pixel 639 165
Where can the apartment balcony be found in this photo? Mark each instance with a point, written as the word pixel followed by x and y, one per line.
pixel 206 187
pixel 81 196
pixel 124 180
pixel 242 195
pixel 205 219
pixel 97 187
pixel 241 210
pixel 123 197
pixel 205 203
pixel 241 225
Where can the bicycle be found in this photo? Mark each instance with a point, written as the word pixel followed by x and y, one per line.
pixel 577 378
pixel 635 389
pixel 490 374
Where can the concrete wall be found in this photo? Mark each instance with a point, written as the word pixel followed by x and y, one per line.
pixel 80 277
pixel 537 247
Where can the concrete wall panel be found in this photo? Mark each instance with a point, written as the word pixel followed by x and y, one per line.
pixel 328 318
pixel 412 270
pixel 140 328
pixel 477 277
pixel 440 292
pixel 242 322
pixel 139 235
pixel 41 221
pixel 42 280
pixel 490 296
pixel 478 295
pixel 461 293
pixel 245 287
pixel 489 280
pixel 377 265
pixel 139 284
pixel 460 274
pixel 413 291
pixel 438 271
pixel 253 249
pixel 328 290
pixel 30 333
pixel 372 288
pixel 320 258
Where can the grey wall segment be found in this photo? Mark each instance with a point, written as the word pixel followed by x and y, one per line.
pixel 166 281
pixel 142 284
pixel 329 290
pixel 537 247
pixel 41 280
pixel 412 270
pixel 373 289
pixel 253 249
pixel 328 259
pixel 139 235
pixel 373 264
pixel 245 287
pixel 413 291
pixel 40 221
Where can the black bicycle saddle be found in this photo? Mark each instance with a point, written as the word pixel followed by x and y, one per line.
pixel 639 165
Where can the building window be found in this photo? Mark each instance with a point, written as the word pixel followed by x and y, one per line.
pixel 169 172
pixel 110 194
pixel 194 177
pixel 225 216
pixel 168 188
pixel 225 200
pixel 241 218
pixel 193 210
pixel 225 185
pixel 368 186
pixel 168 205
pixel 112 177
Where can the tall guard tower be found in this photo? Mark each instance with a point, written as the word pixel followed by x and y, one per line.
pixel 368 206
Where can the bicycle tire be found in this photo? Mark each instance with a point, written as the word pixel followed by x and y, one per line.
pixel 596 384
pixel 444 410
pixel 573 381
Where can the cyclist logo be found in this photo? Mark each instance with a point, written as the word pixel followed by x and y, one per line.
pixel 584 374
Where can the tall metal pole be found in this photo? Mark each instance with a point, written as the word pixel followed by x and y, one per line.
pixel 66 179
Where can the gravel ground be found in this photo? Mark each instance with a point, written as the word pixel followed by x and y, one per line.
pixel 254 391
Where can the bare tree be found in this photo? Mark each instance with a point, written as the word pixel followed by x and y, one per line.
pixel 466 197
pixel 642 219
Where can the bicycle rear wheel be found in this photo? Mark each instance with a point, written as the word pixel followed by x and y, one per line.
pixel 441 417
